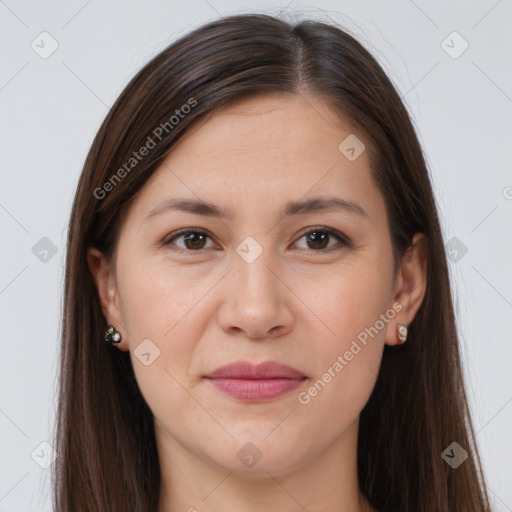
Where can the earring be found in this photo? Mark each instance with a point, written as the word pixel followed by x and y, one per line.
pixel 401 333
pixel 112 335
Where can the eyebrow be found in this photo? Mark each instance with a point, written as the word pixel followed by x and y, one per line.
pixel 207 209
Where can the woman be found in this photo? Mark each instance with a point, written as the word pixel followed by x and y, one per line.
pixel 257 310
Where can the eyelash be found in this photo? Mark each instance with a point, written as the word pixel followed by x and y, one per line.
pixel 344 241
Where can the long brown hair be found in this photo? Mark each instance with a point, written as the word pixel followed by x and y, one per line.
pixel 107 457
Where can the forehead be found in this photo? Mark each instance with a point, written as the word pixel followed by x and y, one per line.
pixel 295 125
pixel 260 151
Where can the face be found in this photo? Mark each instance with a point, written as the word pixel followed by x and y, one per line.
pixel 310 288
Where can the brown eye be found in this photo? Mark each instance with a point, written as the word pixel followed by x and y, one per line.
pixel 192 240
pixel 318 240
pixel 195 240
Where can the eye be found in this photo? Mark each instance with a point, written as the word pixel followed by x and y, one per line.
pixel 193 240
pixel 318 240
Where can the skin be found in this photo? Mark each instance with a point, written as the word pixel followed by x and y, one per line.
pixel 208 307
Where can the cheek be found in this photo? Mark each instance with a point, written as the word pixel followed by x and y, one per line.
pixel 156 311
pixel 158 306
pixel 349 302
pixel 354 314
pixel 158 299
pixel 347 362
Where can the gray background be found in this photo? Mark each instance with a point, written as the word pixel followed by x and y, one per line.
pixel 51 108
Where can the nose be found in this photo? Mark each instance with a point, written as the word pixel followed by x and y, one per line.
pixel 257 300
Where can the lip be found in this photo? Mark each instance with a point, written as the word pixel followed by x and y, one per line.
pixel 247 382
pixel 247 370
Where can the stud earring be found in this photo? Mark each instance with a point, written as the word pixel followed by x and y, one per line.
pixel 112 335
pixel 401 333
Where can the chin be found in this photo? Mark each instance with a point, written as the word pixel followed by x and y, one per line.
pixel 256 457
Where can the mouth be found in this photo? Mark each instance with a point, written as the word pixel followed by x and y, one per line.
pixel 247 382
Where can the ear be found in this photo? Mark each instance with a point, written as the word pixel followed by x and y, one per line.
pixel 106 286
pixel 410 286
